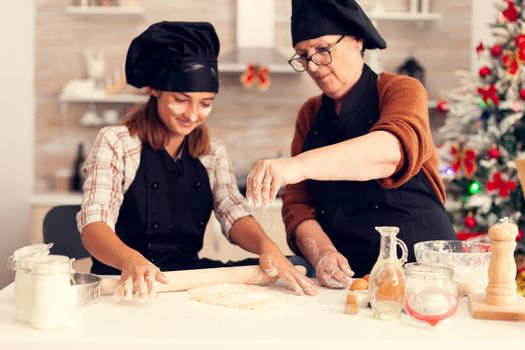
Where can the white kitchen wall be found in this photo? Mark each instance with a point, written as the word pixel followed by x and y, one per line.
pixel 483 14
pixel 17 102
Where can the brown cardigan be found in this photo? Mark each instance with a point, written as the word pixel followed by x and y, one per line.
pixel 403 113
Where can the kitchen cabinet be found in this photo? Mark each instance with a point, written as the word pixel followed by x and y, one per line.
pixel 216 246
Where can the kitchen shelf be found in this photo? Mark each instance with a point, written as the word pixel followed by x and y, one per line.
pixel 241 67
pixel 98 97
pixel 237 60
pixel 117 98
pixel 405 16
pixel 105 10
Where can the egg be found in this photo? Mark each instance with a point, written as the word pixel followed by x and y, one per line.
pixel 366 276
pixel 359 284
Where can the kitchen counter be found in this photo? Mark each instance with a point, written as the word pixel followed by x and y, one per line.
pixel 173 321
pixel 51 199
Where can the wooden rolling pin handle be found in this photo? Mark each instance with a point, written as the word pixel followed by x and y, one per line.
pixel 188 279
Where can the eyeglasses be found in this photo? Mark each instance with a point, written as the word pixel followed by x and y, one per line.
pixel 321 57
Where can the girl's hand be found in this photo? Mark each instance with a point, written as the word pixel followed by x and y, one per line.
pixel 138 277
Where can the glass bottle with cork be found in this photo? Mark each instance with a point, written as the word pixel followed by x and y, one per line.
pixel 77 178
pixel 387 280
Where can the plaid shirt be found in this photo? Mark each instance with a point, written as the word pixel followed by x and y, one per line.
pixel 111 166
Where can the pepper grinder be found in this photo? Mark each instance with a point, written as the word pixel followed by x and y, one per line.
pixel 501 290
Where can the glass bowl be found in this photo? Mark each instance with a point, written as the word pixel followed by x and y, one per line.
pixel 469 259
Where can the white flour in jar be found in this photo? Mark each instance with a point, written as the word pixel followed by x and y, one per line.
pixel 23 295
pixel 21 262
pixel 51 292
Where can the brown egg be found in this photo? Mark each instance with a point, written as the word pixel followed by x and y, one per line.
pixel 366 276
pixel 359 284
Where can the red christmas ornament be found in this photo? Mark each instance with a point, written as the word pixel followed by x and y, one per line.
pixel 511 13
pixel 484 71
pixel 441 106
pixel 496 50
pixel 520 41
pixel 504 187
pixel 519 236
pixel 522 94
pixel 462 235
pixel 494 152
pixel 470 220
pixel 489 94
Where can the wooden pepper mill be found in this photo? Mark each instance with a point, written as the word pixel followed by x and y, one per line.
pixel 501 290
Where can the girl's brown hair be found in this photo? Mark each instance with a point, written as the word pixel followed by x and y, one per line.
pixel 145 122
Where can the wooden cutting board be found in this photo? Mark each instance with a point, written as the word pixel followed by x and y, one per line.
pixel 481 310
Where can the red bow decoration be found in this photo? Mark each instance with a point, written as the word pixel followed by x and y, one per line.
pixel 465 160
pixel 504 187
pixel 511 13
pixel 513 59
pixel 489 95
pixel 256 75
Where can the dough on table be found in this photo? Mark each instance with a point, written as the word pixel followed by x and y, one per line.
pixel 239 296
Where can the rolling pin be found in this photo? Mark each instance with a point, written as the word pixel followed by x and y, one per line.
pixel 188 279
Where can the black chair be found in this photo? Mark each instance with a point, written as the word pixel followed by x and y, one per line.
pixel 60 227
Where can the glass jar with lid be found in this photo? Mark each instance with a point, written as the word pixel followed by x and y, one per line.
pixel 51 292
pixel 21 262
pixel 431 294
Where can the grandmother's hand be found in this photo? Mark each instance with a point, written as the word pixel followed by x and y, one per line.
pixel 274 263
pixel 267 176
pixel 138 277
pixel 332 270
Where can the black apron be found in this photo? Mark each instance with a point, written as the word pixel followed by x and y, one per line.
pixel 348 211
pixel 165 212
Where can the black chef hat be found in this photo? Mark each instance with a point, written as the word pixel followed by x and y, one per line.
pixel 315 18
pixel 175 56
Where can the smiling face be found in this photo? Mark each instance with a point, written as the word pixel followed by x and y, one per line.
pixel 182 112
pixel 339 76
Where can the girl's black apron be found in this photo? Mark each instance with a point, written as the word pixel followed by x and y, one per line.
pixel 348 211
pixel 165 212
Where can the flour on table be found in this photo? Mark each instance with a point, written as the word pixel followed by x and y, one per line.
pixel 239 296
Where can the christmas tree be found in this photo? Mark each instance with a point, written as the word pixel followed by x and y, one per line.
pixel 484 132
